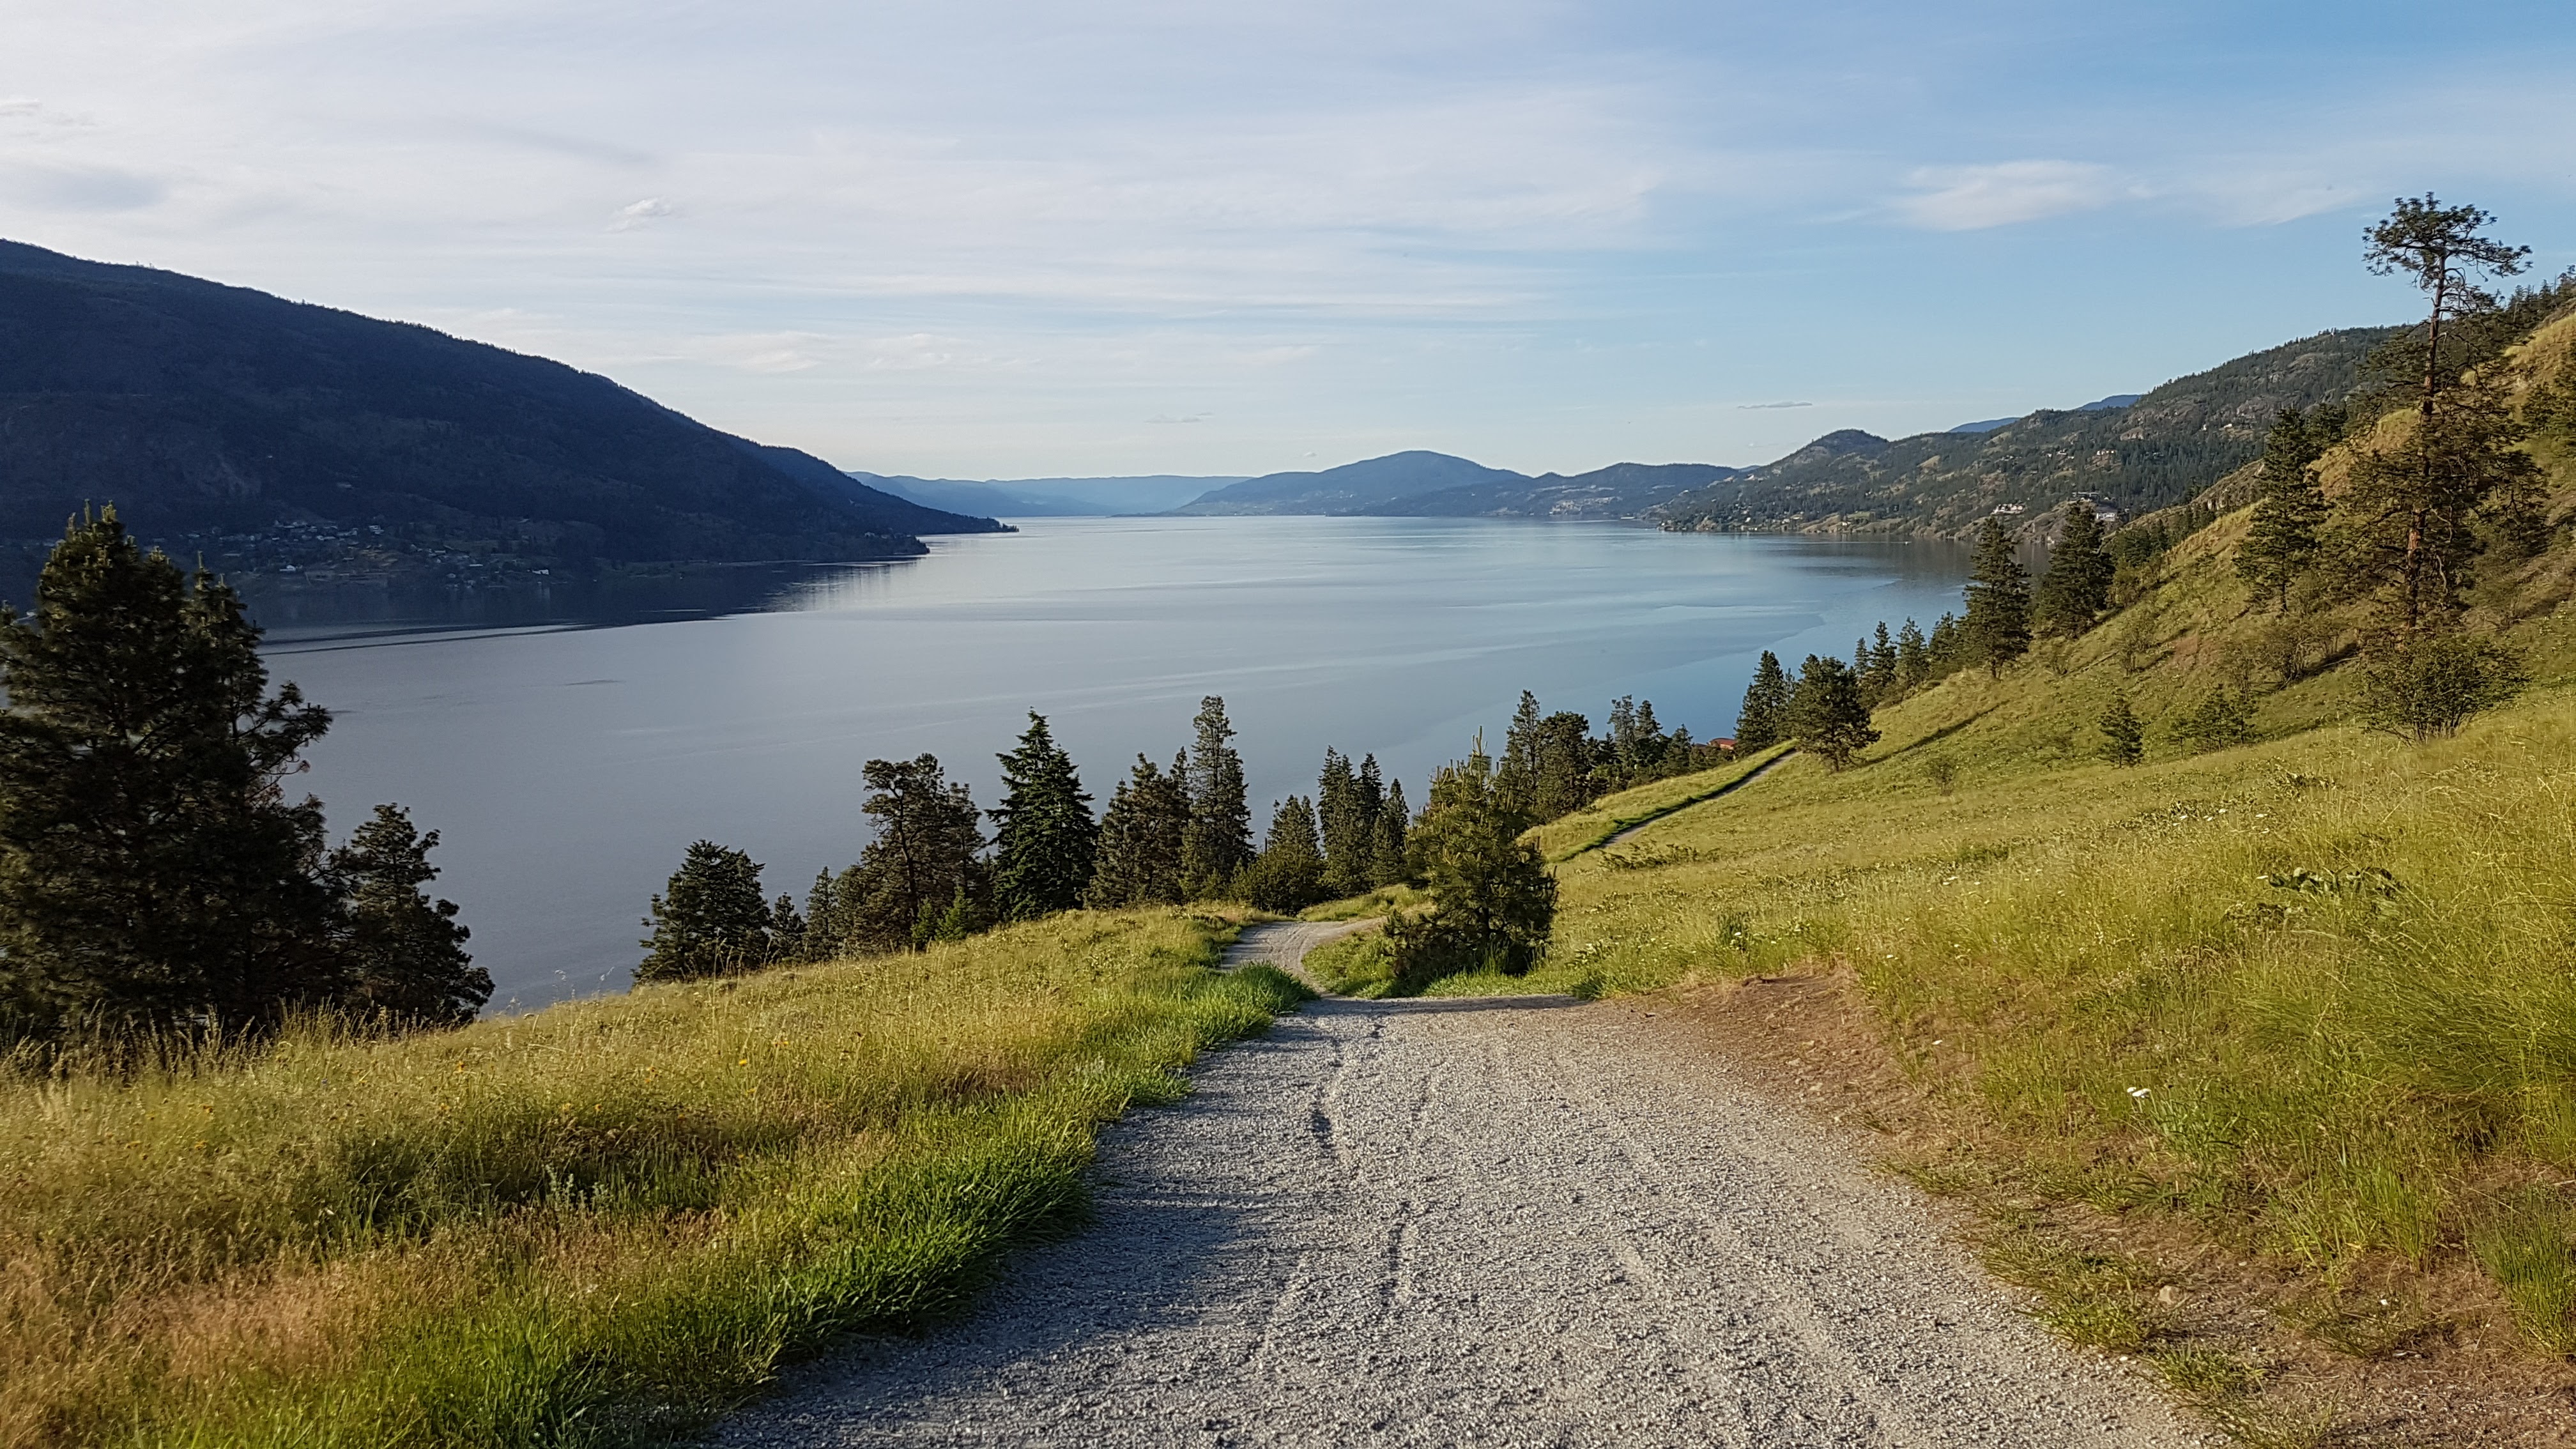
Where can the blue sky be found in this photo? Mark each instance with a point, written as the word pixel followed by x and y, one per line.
pixel 975 239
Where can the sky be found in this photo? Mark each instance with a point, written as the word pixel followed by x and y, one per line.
pixel 983 239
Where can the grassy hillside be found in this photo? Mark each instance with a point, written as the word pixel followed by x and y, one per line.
pixel 2303 1003
pixel 2162 449
pixel 594 1225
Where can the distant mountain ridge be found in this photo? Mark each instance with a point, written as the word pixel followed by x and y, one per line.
pixel 2134 451
pixel 1420 484
pixel 209 412
pixel 1049 497
pixel 2161 449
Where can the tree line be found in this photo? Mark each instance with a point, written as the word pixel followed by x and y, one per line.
pixel 1167 835
pixel 156 877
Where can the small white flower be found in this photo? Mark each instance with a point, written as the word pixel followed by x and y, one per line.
pixel 2139 1092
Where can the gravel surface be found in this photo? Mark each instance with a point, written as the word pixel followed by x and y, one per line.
pixel 1505 1221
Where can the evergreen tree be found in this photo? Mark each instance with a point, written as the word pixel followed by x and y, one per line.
pixel 152 870
pixel 1219 841
pixel 1493 900
pixel 921 863
pixel 404 952
pixel 1349 821
pixel 1565 781
pixel 1913 658
pixel 2408 518
pixel 711 920
pixel 2077 586
pixel 1139 861
pixel 1763 719
pixel 788 930
pixel 1518 773
pixel 1881 680
pixel 1390 863
pixel 2124 740
pixel 1288 875
pixel 1369 792
pixel 1827 715
pixel 2416 502
pixel 2282 542
pixel 1044 836
pixel 1997 629
pixel 1947 648
pixel 828 924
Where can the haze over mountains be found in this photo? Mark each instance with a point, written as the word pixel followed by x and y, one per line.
pixel 271 435
pixel 2133 451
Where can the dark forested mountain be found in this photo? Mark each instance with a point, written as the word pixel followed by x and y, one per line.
pixel 217 415
pixel 2155 451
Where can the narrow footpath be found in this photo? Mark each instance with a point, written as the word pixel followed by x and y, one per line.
pixel 1505 1221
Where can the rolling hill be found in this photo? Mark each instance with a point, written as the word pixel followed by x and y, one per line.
pixel 1435 485
pixel 2154 452
pixel 208 413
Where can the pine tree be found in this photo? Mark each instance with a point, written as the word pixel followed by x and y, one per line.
pixel 1997 629
pixel 923 860
pixel 711 920
pixel 1044 834
pixel 2417 501
pixel 152 870
pixel 405 953
pixel 1519 770
pixel 1881 680
pixel 1219 842
pixel 2077 586
pixel 2283 540
pixel 1389 863
pixel 1565 781
pixel 1139 861
pixel 2409 515
pixel 788 931
pixel 1493 900
pixel 1947 648
pixel 2124 740
pixel 1288 875
pixel 1913 658
pixel 1827 715
pixel 827 920
pixel 1349 823
pixel 1763 720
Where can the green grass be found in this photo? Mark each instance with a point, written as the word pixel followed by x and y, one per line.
pixel 1593 826
pixel 2309 995
pixel 601 1223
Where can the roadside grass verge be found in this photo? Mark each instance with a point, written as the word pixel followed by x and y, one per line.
pixel 599 1224
pixel 2311 994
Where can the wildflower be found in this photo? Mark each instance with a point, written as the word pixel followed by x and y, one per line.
pixel 2138 1092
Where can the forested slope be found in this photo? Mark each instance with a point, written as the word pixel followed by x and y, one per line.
pixel 200 409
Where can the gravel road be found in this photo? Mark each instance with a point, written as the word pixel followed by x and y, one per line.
pixel 1508 1221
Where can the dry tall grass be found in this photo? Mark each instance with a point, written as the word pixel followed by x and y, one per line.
pixel 594 1224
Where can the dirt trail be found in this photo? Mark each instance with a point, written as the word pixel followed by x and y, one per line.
pixel 1522 1221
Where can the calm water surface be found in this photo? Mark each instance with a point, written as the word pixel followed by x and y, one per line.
pixel 567 768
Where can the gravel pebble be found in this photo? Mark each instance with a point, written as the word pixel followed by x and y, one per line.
pixel 1500 1221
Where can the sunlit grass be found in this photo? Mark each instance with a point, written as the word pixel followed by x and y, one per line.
pixel 596 1223
pixel 2312 994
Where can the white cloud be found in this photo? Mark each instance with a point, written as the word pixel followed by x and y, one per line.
pixel 1973 198
pixel 651 208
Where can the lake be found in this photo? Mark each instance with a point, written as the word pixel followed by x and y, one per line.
pixel 568 762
